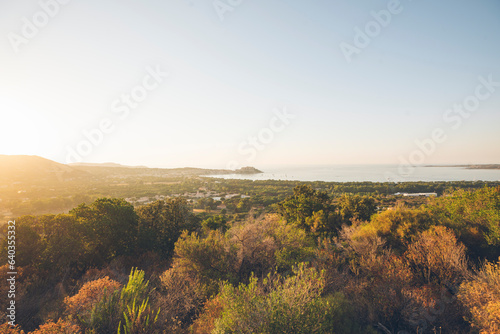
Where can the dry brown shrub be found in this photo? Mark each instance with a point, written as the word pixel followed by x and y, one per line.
pixel 59 327
pixel 211 312
pixel 256 246
pixel 90 294
pixel 114 271
pixel 437 256
pixel 378 278
pixel 8 329
pixel 331 260
pixel 481 297
pixel 182 295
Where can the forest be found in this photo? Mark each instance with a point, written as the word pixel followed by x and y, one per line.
pixel 289 258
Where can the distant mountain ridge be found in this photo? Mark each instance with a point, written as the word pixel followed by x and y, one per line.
pixel 34 169
pixel 103 164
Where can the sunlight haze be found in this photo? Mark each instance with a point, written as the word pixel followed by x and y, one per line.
pixel 206 82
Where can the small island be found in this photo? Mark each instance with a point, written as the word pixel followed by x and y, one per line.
pixel 478 166
pixel 247 170
pixel 491 166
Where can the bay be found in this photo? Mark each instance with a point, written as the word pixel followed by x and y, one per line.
pixel 370 173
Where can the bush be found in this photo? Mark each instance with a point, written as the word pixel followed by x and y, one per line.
pixel 59 327
pixel 8 329
pixel 137 313
pixel 101 306
pixel 89 295
pixel 397 227
pixel 481 298
pixel 279 305
pixel 267 243
pixel 209 259
pixel 182 295
pixel 437 256
pixel 475 218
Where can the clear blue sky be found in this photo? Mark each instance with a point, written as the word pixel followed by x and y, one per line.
pixel 227 78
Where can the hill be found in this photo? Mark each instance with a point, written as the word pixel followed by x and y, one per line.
pixel 35 169
pixel 104 164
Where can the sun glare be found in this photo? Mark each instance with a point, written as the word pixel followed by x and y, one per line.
pixel 20 131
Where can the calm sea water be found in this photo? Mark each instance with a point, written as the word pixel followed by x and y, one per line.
pixel 373 173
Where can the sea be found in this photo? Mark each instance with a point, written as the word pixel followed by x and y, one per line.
pixel 370 173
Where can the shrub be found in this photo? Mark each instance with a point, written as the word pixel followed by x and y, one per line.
pixel 101 305
pixel 59 327
pixel 371 276
pixel 267 243
pixel 89 295
pixel 134 305
pixel 210 259
pixel 8 329
pixel 206 321
pixel 278 305
pixel 481 298
pixel 437 256
pixel 398 227
pixel 475 218
pixel 182 295
pixel 138 318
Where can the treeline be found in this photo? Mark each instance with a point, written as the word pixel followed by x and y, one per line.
pixel 318 264
pixel 58 197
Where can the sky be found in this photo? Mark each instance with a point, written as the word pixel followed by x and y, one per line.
pixel 231 83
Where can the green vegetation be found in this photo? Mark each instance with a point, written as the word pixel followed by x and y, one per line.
pixel 262 257
pixel 36 186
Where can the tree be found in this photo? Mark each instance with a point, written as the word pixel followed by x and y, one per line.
pixel 162 222
pixel 356 206
pixel 244 205
pixel 305 203
pixel 110 228
pixel 64 247
pixel 28 243
pixel 215 223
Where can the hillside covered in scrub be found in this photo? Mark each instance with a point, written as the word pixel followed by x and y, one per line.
pixel 309 264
